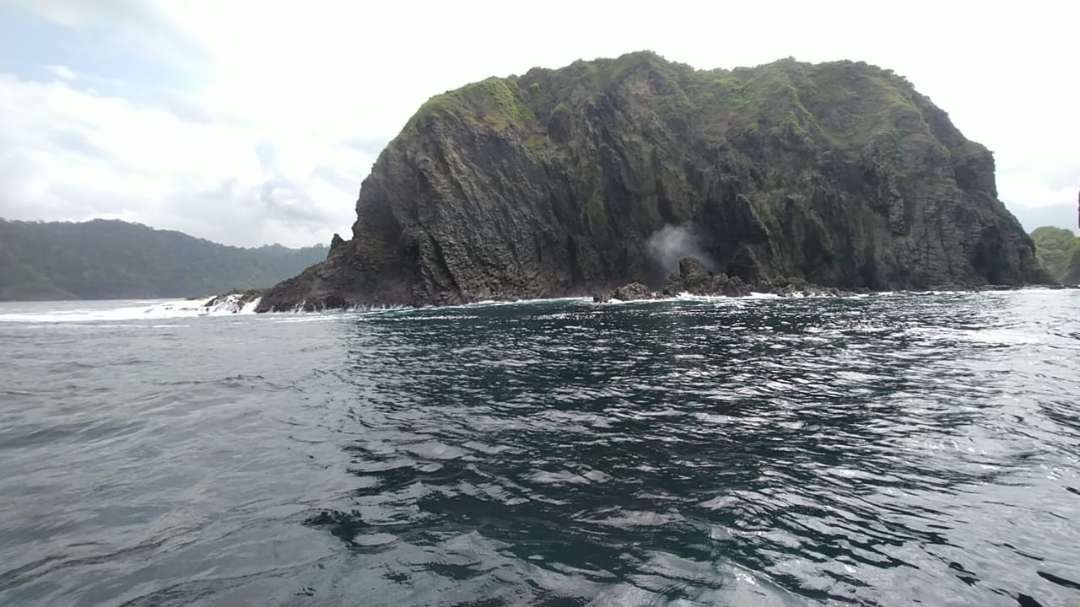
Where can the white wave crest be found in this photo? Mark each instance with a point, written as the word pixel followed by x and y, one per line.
pixel 131 310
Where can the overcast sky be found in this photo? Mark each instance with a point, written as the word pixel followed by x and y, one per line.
pixel 255 122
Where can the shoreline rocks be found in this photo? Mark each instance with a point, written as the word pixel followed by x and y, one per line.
pixel 694 278
pixel 233 301
pixel 628 292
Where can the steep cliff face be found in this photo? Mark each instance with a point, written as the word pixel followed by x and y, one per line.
pixel 552 183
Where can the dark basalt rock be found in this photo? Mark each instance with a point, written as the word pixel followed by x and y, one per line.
pixel 838 174
pixel 692 277
pixel 336 241
pixel 631 292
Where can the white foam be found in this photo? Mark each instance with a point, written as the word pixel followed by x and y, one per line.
pixel 513 302
pixel 1000 337
pixel 233 303
pixel 685 296
pixel 113 311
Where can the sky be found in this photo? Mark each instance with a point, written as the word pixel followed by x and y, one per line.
pixel 250 123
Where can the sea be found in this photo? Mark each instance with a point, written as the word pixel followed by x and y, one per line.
pixel 886 449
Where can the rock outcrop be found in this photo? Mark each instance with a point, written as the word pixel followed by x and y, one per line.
pixel 234 301
pixel 692 277
pixel 551 183
pixel 631 292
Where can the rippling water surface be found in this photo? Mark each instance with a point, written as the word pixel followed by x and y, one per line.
pixel 884 450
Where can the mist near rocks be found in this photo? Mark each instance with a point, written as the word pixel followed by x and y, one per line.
pixel 671 243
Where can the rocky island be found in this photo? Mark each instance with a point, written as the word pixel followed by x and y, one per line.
pixel 1058 250
pixel 579 180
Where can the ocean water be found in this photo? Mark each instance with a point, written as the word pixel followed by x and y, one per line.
pixel 893 449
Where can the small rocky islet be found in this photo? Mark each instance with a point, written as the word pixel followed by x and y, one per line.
pixel 792 177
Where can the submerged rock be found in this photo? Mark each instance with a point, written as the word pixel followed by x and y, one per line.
pixel 551 183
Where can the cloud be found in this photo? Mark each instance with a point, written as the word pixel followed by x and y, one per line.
pixel 75 154
pixel 62 72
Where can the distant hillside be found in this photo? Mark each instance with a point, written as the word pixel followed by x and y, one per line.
pixel 117 260
pixel 1058 251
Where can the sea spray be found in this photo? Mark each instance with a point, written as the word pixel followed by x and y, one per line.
pixel 671 243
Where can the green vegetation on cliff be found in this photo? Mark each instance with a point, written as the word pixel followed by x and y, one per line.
pixel 552 182
pixel 1058 251
pixel 116 260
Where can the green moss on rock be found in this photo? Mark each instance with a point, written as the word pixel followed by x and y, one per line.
pixel 1058 251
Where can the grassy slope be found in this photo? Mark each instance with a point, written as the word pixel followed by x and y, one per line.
pixel 862 102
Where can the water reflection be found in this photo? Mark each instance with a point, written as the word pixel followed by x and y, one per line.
pixel 762 451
